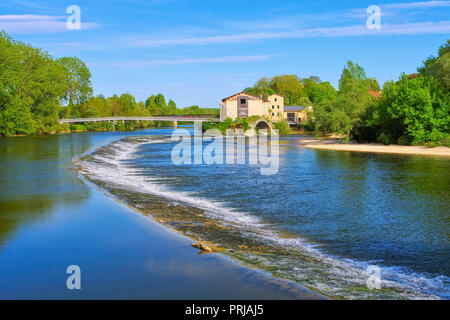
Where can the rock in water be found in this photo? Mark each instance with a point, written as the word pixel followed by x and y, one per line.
pixel 201 246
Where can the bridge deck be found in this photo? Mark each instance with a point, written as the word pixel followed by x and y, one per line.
pixel 154 118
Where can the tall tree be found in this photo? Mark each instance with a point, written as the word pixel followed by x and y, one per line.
pixel 127 104
pixel 318 92
pixel 79 86
pixel 346 112
pixel 289 86
pixel 412 110
pixel 31 86
pixel 438 67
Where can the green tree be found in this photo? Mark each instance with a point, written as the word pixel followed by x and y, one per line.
pixel 412 110
pixel 261 88
pixel 171 107
pixel 78 82
pixel 319 92
pixel 127 104
pixel 439 67
pixel 156 105
pixel 289 86
pixel 31 87
pixel 352 73
pixel 345 113
pixel 373 84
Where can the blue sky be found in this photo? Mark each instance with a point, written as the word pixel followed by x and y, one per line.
pixel 197 51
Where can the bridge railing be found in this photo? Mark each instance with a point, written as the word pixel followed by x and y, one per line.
pixel 151 118
pixel 190 116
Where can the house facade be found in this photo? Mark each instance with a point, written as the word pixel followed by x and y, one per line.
pixel 276 107
pixel 243 105
pixel 296 114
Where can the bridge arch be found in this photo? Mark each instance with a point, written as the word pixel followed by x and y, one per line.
pixel 262 124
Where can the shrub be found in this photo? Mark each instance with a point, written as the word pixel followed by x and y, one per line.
pixel 282 127
pixel 404 141
pixel 77 127
pixel 385 139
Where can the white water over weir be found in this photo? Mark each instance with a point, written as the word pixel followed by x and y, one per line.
pixel 196 118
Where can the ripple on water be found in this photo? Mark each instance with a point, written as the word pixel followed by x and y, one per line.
pixel 242 235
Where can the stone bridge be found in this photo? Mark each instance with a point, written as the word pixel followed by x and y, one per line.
pixel 261 124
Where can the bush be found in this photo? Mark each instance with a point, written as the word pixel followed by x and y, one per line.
pixel 224 125
pixel 404 141
pixel 77 128
pixel 207 126
pixel 241 123
pixel 282 127
pixel 385 139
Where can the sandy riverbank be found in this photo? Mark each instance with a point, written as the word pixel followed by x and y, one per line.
pixel 333 144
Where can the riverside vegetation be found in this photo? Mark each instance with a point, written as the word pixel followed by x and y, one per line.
pixel 412 110
pixel 37 90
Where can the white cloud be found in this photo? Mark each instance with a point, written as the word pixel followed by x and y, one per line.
pixel 32 24
pixel 26 17
pixel 155 63
pixel 295 21
pixel 395 9
pixel 421 4
pixel 354 30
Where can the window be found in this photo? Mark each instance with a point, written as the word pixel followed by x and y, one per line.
pixel 278 107
pixel 273 113
pixel 276 100
pixel 273 107
pixel 278 114
pixel 242 101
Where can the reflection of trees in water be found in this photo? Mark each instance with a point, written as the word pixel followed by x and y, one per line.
pixel 390 195
pixel 423 184
pixel 35 178
pixel 345 179
pixel 414 175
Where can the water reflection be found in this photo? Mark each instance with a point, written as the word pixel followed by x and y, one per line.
pixel 393 208
pixel 386 208
pixel 35 179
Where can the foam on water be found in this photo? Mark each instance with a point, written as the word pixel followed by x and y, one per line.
pixel 130 178
pixel 114 166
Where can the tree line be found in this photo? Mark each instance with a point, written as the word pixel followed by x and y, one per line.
pixel 415 109
pixel 36 90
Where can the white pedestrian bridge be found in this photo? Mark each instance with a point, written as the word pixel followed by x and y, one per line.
pixel 175 119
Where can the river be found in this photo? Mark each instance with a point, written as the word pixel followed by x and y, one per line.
pixel 320 221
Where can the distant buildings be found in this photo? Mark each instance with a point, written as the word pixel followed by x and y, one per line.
pixel 243 105
pixel 296 114
pixel 276 107
pixel 376 94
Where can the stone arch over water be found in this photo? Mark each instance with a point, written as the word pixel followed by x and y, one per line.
pixel 262 124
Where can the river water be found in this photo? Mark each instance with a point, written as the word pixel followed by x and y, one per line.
pixel 320 221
